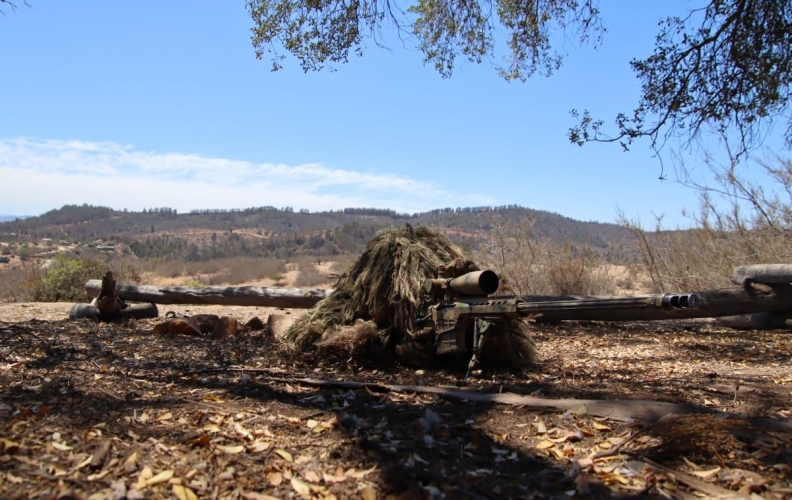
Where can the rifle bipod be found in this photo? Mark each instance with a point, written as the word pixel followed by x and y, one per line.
pixel 479 337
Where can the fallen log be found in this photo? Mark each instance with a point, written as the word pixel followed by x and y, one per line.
pixel 137 311
pixel 291 298
pixel 756 321
pixel 107 306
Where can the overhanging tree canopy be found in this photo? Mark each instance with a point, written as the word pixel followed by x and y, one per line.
pixel 726 64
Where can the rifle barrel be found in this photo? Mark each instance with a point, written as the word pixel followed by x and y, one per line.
pixel 668 301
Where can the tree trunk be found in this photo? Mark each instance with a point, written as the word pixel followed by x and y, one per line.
pixel 291 298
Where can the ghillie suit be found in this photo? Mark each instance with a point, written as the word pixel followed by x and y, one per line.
pixel 376 302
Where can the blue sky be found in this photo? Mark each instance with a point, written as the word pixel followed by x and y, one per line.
pixel 143 104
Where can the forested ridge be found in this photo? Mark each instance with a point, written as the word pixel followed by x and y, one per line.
pixel 163 232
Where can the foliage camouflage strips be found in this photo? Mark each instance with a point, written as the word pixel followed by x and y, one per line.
pixel 376 301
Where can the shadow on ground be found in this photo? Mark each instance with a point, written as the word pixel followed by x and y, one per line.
pixel 177 404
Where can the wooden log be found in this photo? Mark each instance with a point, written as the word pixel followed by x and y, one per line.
pixel 137 311
pixel 107 302
pixel 292 298
pixel 714 303
pixel 762 273
pixel 756 321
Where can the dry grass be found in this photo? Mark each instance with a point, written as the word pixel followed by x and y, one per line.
pixel 11 280
pixel 216 272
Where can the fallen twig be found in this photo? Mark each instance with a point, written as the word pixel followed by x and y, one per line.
pixel 712 490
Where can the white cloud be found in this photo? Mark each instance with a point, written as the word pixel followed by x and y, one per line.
pixel 39 175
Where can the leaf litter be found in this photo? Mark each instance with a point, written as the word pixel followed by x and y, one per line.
pixel 111 411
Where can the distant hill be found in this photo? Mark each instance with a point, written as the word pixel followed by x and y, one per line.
pixel 4 218
pixel 282 232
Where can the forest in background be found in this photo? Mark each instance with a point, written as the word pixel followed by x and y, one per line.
pixel 283 233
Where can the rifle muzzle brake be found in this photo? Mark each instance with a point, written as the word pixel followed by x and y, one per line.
pixel 680 301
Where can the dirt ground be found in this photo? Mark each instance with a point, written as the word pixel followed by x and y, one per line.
pixel 112 411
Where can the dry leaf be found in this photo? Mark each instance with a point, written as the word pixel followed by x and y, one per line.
pixel 212 428
pixel 601 427
pixel 227 474
pixel 312 423
pixel 232 450
pixel 165 416
pixel 368 493
pixel 183 492
pixel 162 477
pixel 311 477
pixel 252 495
pixel 143 478
pixel 691 464
pixel 706 474
pixel 259 446
pixel 300 487
pixel 285 455
pixel 360 474
pixel 274 478
pixel 557 453
pixel 615 478
pixel 241 430
pixel 335 478
pixel 200 440
pixel 545 445
pixel 61 446
pixel 13 479
pixel 541 428
pixel 130 464
pixel 95 477
pixel 84 463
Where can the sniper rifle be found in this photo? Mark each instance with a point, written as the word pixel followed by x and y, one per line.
pixel 461 312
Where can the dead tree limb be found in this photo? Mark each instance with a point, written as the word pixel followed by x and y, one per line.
pixel 291 298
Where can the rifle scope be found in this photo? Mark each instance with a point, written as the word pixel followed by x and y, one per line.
pixel 475 284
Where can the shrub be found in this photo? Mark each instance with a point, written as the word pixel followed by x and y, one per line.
pixel 11 285
pixel 309 275
pixel 742 220
pixel 64 279
pixel 537 266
